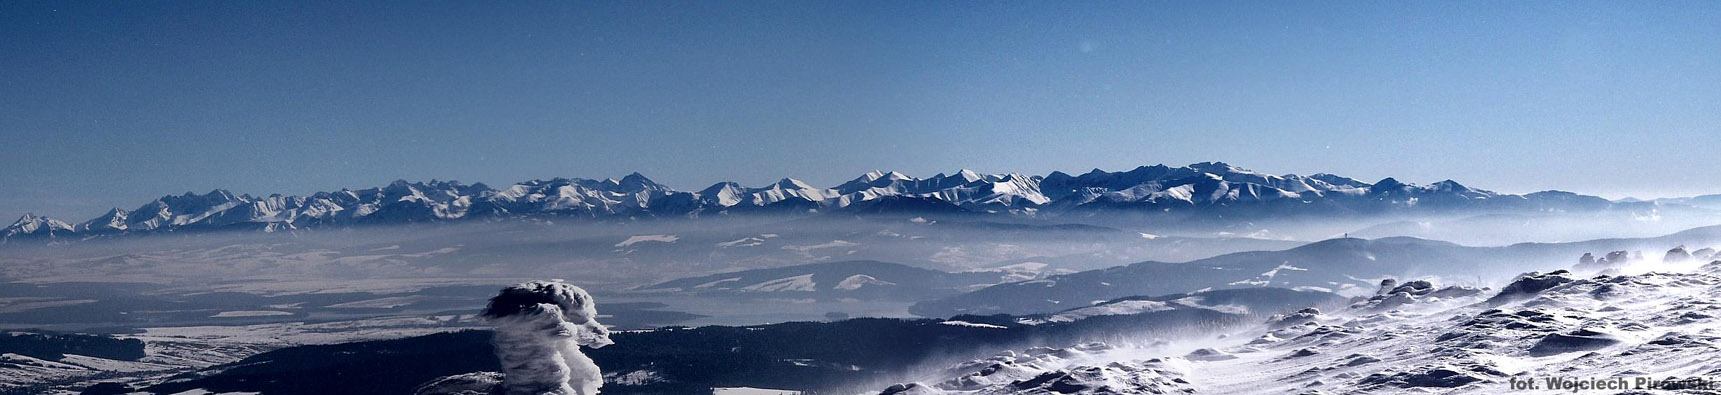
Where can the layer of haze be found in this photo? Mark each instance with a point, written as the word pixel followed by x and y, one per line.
pixel 112 104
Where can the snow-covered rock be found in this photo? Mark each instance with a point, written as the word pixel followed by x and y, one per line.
pixel 1044 370
pixel 1530 284
pixel 1393 295
pixel 35 225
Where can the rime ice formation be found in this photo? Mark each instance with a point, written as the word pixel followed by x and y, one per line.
pixel 540 326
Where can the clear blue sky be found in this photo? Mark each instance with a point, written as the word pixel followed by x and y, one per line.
pixel 114 103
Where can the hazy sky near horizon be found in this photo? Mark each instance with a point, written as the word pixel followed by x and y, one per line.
pixel 114 103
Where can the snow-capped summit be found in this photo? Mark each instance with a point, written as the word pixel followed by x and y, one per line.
pixel 35 225
pixel 873 179
pixel 113 221
pixel 636 182
pixel 1388 185
pixel 789 189
pixel 792 184
pixel 967 175
pixel 723 194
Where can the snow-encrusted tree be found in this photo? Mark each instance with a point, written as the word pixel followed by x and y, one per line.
pixel 540 326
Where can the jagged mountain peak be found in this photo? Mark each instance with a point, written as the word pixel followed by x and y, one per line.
pixel 634 177
pixel 635 182
pixel 1337 180
pixel 720 187
pixel 32 224
pixel 1216 167
pixel 874 179
pixel 213 195
pixel 791 184
pixel 1449 185
pixel 114 220
pixel 968 175
pixel 876 175
pixel 1012 177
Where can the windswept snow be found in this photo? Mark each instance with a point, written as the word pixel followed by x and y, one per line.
pixel 201 391
pixel 380 303
pixel 1413 337
pixel 1045 370
pixel 647 238
pixel 810 248
pixel 1283 266
pixel 860 280
pixel 972 324
pixel 249 313
pixel 743 242
pixel 1117 308
pixel 801 283
pixel 750 241
pixel 715 283
pixel 750 391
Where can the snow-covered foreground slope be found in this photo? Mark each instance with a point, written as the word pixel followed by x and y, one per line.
pixel 1624 330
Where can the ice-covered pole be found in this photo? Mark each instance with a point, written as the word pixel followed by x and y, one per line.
pixel 540 326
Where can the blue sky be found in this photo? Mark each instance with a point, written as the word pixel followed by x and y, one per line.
pixel 112 104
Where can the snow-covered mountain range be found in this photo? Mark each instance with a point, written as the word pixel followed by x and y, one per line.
pixel 1204 189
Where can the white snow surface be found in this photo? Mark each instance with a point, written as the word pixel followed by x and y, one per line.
pixel 750 391
pixel 860 280
pixel 831 244
pixel 801 283
pixel 972 324
pixel 1118 308
pixel 647 238
pixel 1416 338
pixel 249 313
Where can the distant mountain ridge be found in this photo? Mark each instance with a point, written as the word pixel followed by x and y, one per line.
pixel 1336 265
pixel 1211 188
pixel 1330 266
